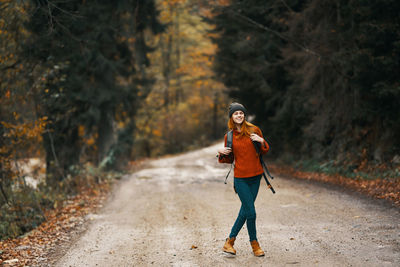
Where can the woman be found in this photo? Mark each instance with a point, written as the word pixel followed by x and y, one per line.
pixel 247 173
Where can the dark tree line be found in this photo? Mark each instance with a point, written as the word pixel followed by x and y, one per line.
pixel 89 56
pixel 321 77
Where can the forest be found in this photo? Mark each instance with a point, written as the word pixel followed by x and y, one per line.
pixel 321 77
pixel 90 87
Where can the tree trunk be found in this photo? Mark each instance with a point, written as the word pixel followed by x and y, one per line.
pixel 62 151
pixel 105 134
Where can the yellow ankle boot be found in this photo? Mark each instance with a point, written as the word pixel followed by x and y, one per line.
pixel 258 252
pixel 228 247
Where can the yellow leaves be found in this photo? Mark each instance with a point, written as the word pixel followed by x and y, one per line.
pixel 168 3
pixel 16 115
pixel 164 4
pixel 81 130
pixel 169 9
pixel 199 84
pixel 179 109
pixel 165 17
pixel 121 125
pixel 206 13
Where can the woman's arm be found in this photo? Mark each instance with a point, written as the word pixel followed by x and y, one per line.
pixel 257 136
pixel 224 154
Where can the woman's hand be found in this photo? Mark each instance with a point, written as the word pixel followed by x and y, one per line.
pixel 257 138
pixel 225 151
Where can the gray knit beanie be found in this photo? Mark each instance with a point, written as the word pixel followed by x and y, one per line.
pixel 235 107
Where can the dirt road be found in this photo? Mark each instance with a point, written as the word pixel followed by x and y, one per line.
pixel 177 212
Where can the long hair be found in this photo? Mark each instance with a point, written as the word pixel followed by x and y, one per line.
pixel 246 129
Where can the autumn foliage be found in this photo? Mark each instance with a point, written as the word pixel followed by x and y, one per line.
pixel 88 87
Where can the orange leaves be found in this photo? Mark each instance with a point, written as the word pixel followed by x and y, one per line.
pixel 168 9
pixel 31 248
pixel 157 132
pixel 18 138
pixel 88 140
pixel 224 2
pixel 91 141
pixel 29 130
pixel 81 130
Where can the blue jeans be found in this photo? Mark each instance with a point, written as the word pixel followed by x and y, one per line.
pixel 247 190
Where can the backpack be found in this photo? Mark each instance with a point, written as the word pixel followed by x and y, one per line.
pixel 257 146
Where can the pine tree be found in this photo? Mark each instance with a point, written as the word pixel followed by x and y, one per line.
pixel 88 72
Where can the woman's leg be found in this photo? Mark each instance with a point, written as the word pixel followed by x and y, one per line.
pixel 247 190
pixel 240 220
pixel 251 220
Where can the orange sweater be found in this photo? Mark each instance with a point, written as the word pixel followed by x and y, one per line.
pixel 247 162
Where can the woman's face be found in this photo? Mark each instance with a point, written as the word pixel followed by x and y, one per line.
pixel 238 117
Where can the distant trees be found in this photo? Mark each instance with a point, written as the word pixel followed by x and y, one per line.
pixel 187 105
pixel 320 76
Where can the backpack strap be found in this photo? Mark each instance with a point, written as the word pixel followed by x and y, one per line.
pixel 229 142
pixel 229 139
pixel 226 177
pixel 257 146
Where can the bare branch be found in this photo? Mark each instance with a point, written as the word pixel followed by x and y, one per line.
pixel 67 31
pixel 11 66
pixel 287 6
pixel 284 37
pixel 334 64
pixel 54 154
pixel 64 11
pixel 50 16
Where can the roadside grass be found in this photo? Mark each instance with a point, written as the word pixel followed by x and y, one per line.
pixel 26 206
pixel 378 181
pixel 350 171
